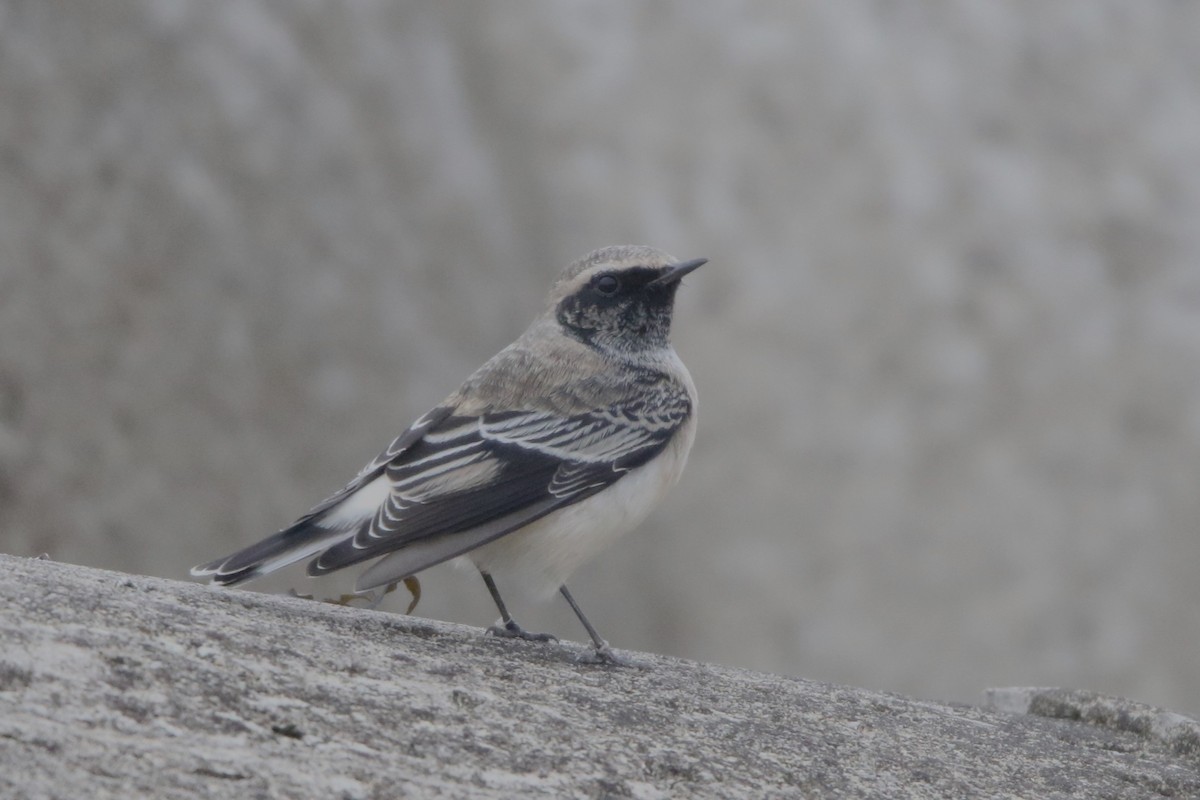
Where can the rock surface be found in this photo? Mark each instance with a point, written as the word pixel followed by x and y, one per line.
pixel 114 685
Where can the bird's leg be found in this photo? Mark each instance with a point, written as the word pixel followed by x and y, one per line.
pixel 603 653
pixel 507 626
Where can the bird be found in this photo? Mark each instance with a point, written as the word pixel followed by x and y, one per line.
pixel 557 446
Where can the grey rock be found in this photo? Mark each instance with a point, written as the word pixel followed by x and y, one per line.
pixel 1180 733
pixel 115 685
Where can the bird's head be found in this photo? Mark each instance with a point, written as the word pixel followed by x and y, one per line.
pixel 619 299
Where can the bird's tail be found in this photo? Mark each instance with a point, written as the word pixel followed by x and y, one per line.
pixel 331 522
pixel 305 538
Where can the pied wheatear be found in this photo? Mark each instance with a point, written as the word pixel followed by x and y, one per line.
pixel 558 445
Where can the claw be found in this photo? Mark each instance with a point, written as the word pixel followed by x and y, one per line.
pixel 511 630
pixel 603 654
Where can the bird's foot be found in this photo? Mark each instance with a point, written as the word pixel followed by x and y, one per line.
pixel 511 630
pixel 601 653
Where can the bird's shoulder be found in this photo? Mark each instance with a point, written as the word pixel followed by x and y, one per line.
pixel 563 377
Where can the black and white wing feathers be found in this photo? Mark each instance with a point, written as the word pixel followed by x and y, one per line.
pixel 452 483
pixel 474 479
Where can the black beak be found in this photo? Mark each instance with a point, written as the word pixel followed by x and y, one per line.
pixel 676 271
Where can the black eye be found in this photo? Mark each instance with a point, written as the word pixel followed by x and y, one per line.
pixel 607 284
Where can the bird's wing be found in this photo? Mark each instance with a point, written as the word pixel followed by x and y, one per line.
pixel 473 479
pixel 452 483
pixel 399 445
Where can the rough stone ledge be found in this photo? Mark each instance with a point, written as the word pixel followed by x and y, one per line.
pixel 1180 733
pixel 116 685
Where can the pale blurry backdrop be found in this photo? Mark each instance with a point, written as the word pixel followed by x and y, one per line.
pixel 947 347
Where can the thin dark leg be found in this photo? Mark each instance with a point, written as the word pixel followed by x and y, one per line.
pixel 505 617
pixel 596 640
pixel 603 651
pixel 508 626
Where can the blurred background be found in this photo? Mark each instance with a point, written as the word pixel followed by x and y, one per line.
pixel 948 344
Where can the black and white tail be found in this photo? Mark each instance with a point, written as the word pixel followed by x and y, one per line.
pixel 326 526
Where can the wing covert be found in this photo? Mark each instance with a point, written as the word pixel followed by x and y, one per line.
pixel 465 473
